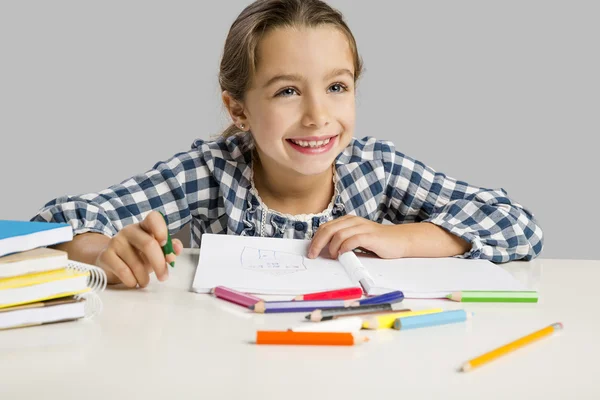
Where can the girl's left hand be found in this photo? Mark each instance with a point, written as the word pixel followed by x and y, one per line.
pixel 350 232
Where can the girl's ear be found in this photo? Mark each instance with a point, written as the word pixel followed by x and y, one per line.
pixel 234 107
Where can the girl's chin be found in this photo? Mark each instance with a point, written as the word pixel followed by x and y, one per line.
pixel 312 169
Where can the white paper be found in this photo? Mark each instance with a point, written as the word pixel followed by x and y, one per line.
pixel 274 266
pixel 270 266
pixel 437 277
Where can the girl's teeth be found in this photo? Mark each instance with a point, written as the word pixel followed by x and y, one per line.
pixel 311 144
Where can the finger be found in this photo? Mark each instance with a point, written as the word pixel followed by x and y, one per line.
pixel 177 246
pixel 108 260
pixel 343 235
pixel 149 269
pixel 149 246
pixel 364 239
pixel 134 261
pixel 155 225
pixel 326 231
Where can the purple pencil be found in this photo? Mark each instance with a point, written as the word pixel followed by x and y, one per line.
pixel 300 306
pixel 234 296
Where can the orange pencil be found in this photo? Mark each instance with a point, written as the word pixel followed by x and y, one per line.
pixel 507 348
pixel 309 338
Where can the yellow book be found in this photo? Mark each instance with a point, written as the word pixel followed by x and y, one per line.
pixel 42 286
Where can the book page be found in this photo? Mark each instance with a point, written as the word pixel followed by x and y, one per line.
pixel 260 265
pixel 437 277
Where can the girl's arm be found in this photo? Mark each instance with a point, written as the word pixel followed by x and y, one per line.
pixel 496 227
pixel 179 187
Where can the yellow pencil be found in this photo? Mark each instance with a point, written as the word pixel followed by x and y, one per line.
pixel 507 348
pixel 386 321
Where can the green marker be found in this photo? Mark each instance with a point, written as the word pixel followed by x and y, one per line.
pixel 168 247
pixel 475 296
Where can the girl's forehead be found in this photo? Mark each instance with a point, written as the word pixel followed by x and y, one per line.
pixel 303 50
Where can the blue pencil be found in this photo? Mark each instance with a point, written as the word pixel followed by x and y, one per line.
pixel 422 321
pixel 390 298
pixel 312 305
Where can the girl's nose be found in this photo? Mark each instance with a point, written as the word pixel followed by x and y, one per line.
pixel 315 113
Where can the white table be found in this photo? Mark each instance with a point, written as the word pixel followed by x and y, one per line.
pixel 164 342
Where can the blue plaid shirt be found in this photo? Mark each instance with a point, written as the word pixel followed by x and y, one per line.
pixel 211 186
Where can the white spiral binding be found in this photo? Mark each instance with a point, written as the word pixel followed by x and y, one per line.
pixel 96 282
pixel 96 279
pixel 93 304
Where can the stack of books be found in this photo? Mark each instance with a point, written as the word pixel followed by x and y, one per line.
pixel 40 285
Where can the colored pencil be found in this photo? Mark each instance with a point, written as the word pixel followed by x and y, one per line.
pixel 309 338
pixel 350 324
pixel 512 346
pixel 494 296
pixel 333 313
pixel 300 306
pixel 234 296
pixel 441 318
pixel 390 297
pixel 386 321
pixel 311 305
pixel 339 294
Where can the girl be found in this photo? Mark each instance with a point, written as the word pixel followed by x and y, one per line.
pixel 290 167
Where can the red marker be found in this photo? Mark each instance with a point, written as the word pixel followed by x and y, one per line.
pixel 339 294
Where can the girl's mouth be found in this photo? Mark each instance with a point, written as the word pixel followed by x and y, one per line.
pixel 312 146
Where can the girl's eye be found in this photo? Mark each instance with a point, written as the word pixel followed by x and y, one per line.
pixel 286 92
pixel 338 87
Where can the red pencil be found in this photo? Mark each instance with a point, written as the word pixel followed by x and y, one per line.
pixel 339 294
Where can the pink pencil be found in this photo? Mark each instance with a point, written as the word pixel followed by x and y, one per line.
pixel 234 296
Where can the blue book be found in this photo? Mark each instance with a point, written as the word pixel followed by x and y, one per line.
pixel 18 236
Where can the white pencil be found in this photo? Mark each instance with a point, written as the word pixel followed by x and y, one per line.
pixel 349 324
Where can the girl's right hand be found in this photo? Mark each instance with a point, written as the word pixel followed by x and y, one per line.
pixel 136 251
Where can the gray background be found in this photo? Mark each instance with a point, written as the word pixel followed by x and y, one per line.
pixel 499 94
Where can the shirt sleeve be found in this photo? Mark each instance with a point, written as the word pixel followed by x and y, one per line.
pixel 498 228
pixel 180 188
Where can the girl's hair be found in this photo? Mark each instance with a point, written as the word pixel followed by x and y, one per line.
pixel 239 60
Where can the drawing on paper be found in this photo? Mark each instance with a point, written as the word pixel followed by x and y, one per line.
pixel 272 262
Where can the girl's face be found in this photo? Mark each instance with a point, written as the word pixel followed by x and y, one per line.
pixel 301 105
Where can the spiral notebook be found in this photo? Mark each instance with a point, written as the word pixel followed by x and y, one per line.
pixel 44 312
pixel 74 279
pixel 273 266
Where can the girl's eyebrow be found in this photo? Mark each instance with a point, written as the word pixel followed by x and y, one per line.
pixel 298 77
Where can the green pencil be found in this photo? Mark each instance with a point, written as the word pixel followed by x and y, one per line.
pixel 168 247
pixel 476 296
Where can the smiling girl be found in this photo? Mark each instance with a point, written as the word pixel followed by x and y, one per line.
pixel 290 166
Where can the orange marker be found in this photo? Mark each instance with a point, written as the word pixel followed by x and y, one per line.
pixel 309 338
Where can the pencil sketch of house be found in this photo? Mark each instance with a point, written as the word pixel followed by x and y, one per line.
pixel 272 262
